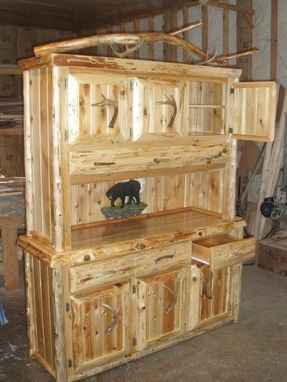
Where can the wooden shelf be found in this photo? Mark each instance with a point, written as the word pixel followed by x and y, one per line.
pixel 164 228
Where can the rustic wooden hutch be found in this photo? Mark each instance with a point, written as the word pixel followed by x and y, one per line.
pixel 103 292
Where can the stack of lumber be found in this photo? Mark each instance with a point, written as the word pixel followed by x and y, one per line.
pixel 11 113
pixel 11 187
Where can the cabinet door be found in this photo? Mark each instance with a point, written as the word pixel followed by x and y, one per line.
pixel 99 326
pixel 214 293
pixel 159 108
pixel 161 306
pixel 253 108
pixel 98 108
pixel 194 297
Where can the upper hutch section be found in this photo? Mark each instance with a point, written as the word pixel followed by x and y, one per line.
pixel 119 100
pixel 93 121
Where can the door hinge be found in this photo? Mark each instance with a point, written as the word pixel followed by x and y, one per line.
pixel 66 135
pixel 134 341
pixel 232 90
pixel 70 363
pixel 68 307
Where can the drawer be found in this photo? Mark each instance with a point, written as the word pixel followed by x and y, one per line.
pixel 90 276
pixel 159 259
pixel 121 159
pixel 222 250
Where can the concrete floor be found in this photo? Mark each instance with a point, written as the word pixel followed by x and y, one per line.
pixel 253 350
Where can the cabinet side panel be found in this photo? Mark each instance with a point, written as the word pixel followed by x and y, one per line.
pixel 40 135
pixel 40 312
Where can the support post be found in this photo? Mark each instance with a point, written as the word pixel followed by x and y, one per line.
pixel 244 39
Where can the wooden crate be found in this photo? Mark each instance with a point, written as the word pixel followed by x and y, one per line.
pixel 272 256
pixel 119 289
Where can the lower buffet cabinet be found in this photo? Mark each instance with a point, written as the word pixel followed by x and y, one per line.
pixel 121 309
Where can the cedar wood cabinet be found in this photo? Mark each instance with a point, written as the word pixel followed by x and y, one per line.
pixel 103 292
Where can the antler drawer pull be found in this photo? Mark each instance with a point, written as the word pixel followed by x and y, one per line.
pixel 115 317
pixel 164 257
pixel 170 101
pixel 109 102
pixel 174 298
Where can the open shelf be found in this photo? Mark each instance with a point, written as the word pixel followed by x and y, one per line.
pixel 165 227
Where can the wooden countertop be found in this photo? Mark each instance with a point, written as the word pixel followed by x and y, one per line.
pixel 116 239
pixel 148 228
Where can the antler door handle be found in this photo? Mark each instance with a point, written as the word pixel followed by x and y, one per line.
pixel 174 298
pixel 114 104
pixel 115 317
pixel 171 102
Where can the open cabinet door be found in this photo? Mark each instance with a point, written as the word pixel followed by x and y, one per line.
pixel 253 106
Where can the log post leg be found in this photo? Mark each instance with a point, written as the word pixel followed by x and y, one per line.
pixel 235 291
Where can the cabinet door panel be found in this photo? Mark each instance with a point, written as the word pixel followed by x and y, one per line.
pixel 253 106
pixel 161 306
pixel 214 292
pixel 98 108
pixel 99 326
pixel 194 297
pixel 158 108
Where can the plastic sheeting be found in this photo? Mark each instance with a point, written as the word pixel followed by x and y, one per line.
pixel 262 40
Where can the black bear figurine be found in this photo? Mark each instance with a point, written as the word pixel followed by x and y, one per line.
pixel 121 190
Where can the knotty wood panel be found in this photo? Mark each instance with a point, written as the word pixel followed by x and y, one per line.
pixel 39 114
pixel 214 292
pixel 160 301
pixel 151 111
pixel 253 109
pixel 202 190
pixel 99 326
pixel 89 115
pixel 40 314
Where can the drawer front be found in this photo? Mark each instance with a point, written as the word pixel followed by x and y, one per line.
pixel 104 161
pixel 156 260
pixel 223 255
pixel 88 276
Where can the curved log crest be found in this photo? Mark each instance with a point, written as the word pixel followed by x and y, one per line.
pixel 133 41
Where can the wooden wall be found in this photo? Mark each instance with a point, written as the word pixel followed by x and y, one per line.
pixel 17 42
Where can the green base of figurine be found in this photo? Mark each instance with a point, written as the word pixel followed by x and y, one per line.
pixel 128 210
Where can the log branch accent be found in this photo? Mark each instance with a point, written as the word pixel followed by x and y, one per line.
pixel 133 41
